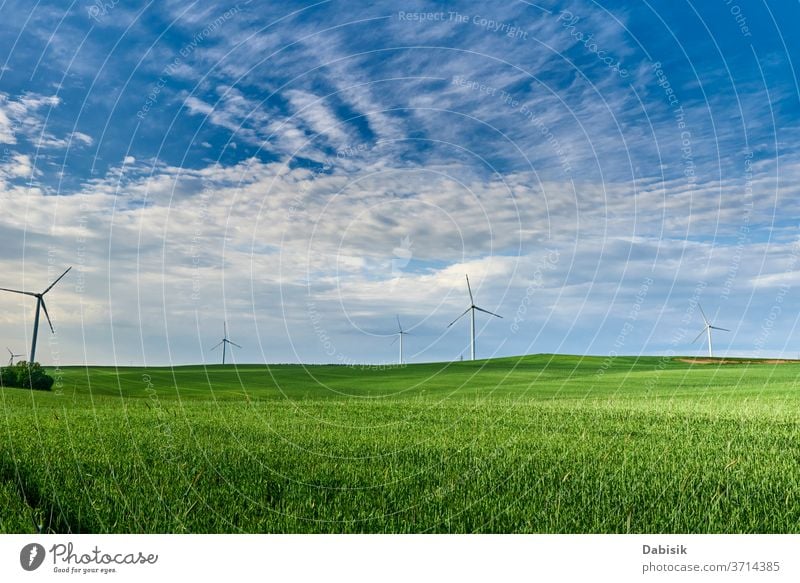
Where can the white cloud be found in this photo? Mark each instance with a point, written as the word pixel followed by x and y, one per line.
pixel 198 106
pixel 273 244
pixel 19 166
pixel 82 138
pixel 319 118
pixel 25 116
pixel 6 129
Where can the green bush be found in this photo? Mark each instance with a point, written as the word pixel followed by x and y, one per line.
pixel 8 377
pixel 26 376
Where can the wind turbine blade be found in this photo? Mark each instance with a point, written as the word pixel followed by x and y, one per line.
pixel 16 291
pixel 224 329
pixel 718 328
pixel 217 346
pixel 236 345
pixel 469 288
pixel 395 340
pixel 44 307
pixel 488 312
pixel 399 325
pixel 702 312
pixel 56 281
pixel 699 335
pixel 9 351
pixel 461 316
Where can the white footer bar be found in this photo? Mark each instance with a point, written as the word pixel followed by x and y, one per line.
pixel 388 558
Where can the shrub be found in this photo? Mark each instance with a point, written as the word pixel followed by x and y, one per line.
pixel 26 376
pixel 8 377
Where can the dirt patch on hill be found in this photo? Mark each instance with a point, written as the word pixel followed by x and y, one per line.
pixel 729 361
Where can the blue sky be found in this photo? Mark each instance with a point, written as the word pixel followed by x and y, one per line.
pixel 306 172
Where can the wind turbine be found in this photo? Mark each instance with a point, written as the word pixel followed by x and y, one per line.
pixel 400 335
pixel 40 305
pixel 707 330
pixel 472 308
pixel 12 356
pixel 224 342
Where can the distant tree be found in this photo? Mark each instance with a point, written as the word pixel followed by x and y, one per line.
pixel 8 377
pixel 26 376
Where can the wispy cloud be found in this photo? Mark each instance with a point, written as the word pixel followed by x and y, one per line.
pixel 24 117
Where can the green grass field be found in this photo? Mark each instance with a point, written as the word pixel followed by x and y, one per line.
pixel 532 444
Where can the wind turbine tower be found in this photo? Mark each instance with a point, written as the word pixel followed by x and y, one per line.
pixel 707 331
pixel 12 356
pixel 400 334
pixel 224 342
pixel 472 308
pixel 40 305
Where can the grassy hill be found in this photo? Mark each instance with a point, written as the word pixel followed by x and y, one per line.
pixel 542 376
pixel 538 443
